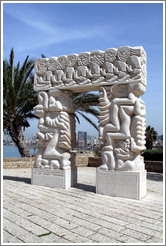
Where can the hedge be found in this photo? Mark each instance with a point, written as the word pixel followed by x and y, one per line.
pixel 153 155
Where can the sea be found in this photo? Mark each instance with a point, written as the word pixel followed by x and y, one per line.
pixel 12 151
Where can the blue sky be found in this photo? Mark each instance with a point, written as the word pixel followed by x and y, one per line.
pixel 55 29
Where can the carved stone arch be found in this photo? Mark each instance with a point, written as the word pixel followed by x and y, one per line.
pixel 120 77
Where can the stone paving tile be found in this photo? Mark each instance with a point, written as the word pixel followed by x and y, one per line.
pixel 64 223
pixel 137 205
pixel 136 234
pixel 58 230
pixel 11 215
pixel 8 238
pixel 159 224
pixel 129 239
pixel 12 207
pixel 82 231
pixel 100 238
pixel 109 233
pixel 85 223
pixel 149 214
pixel 12 228
pixel 143 221
pixel 29 226
pixel 52 227
pixel 76 238
pixel 23 223
pixel 154 240
pixel 29 238
pixel 78 216
pixel 148 231
pixel 52 238
pixel 102 223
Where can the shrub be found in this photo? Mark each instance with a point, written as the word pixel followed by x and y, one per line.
pixel 97 151
pixel 153 155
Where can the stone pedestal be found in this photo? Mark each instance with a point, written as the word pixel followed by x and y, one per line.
pixel 56 178
pixel 121 184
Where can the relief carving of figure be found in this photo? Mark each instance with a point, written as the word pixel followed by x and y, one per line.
pixel 83 75
pixel 123 121
pixel 55 130
pixel 123 54
pixel 58 76
pixel 134 62
pixel 42 75
pixel 126 159
pixel 121 117
pixel 143 66
pixel 70 69
pixel 139 53
pixel 109 70
pixel 96 61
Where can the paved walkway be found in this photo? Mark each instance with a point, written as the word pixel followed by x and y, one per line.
pixel 35 214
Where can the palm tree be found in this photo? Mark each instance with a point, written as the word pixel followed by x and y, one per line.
pixel 18 100
pixel 151 135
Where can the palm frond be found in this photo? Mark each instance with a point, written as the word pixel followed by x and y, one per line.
pixel 85 102
pixel 85 98
pixel 90 110
pixel 75 115
pixel 89 120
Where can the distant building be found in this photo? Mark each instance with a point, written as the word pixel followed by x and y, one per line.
pixel 160 137
pixel 82 139
pixel 7 139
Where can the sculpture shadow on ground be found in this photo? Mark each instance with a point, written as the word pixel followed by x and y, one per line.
pixel 80 186
pixel 19 179
pixel 155 176
pixel 85 187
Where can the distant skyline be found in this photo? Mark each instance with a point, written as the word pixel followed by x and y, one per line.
pixel 55 29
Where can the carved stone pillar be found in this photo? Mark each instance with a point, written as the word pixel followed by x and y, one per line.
pixel 122 128
pixel 56 139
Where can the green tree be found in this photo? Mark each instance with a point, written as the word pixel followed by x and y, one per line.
pixel 151 136
pixel 18 100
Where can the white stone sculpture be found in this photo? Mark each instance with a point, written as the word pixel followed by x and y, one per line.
pixel 90 70
pixel 58 76
pixel 120 77
pixel 83 74
pixel 96 61
pixel 109 70
pixel 123 54
pixel 42 74
pixel 55 110
pixel 121 120
pixel 70 69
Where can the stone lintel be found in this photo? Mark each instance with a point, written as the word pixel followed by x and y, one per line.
pixel 89 70
pixel 121 184
pixel 94 87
